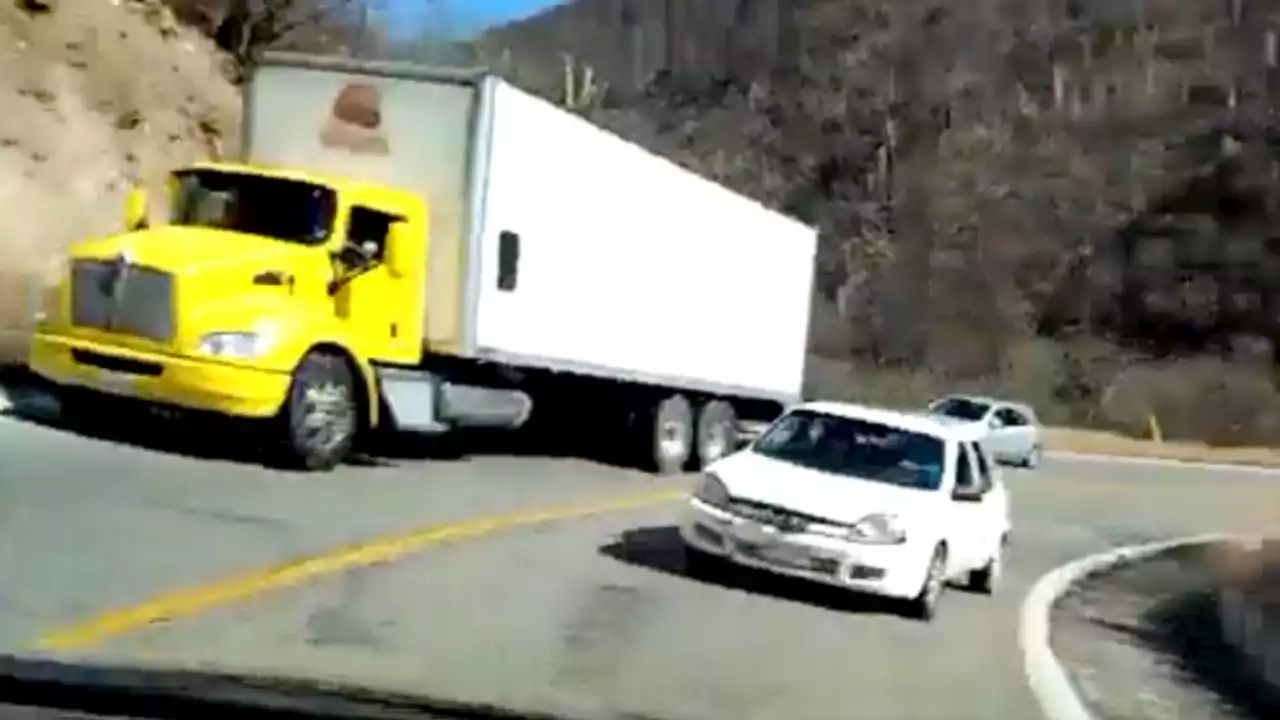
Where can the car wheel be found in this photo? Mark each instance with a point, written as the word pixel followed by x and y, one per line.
pixel 986 579
pixel 1033 458
pixel 321 414
pixel 924 606
pixel 716 435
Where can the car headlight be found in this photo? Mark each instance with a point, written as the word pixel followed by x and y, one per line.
pixel 242 345
pixel 878 529
pixel 712 491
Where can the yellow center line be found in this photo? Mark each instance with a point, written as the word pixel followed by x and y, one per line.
pixel 190 601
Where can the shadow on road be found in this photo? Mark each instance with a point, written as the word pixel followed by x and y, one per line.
pixel 129 424
pixel 660 549
pixel 1180 628
pixel 1186 628
pixel 248 442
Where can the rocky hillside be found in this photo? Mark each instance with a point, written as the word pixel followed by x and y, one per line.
pixel 97 94
pixel 1070 202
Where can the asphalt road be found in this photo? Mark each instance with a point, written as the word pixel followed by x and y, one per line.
pixel 583 614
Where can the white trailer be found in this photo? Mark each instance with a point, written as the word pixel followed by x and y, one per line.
pixel 569 269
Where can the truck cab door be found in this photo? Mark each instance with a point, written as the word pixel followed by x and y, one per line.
pixel 380 308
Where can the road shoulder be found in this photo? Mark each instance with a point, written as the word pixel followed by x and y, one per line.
pixel 1142 642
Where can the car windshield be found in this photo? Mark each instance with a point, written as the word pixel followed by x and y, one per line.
pixel 855 448
pixel 961 408
pixel 280 208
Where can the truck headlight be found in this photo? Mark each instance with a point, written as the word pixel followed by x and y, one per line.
pixel 242 345
pixel 712 491
pixel 878 529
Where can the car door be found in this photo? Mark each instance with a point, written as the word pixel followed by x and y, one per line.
pixel 967 538
pixel 997 441
pixel 1017 434
pixel 992 513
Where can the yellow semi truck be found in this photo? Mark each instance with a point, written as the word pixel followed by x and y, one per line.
pixel 426 249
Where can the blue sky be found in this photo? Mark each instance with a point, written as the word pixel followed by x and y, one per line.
pixel 461 17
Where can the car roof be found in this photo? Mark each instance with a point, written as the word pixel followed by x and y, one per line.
pixel 944 428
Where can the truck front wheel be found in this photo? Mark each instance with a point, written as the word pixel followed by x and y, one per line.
pixel 321 414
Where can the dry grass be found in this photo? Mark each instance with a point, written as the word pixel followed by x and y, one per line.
pixel 1105 443
pixel 97 94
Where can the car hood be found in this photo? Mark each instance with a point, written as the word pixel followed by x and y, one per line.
pixel 751 476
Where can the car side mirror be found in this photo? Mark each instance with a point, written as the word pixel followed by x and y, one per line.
pixel 136 210
pixel 995 423
pixel 396 252
pixel 965 494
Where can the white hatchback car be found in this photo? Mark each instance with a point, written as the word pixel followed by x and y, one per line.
pixel 1012 432
pixel 877 501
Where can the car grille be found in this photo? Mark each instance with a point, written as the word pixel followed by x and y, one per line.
pixel 774 516
pixel 139 302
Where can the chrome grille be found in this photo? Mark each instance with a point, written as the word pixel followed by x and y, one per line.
pixel 774 516
pixel 137 302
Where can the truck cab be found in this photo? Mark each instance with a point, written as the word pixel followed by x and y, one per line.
pixel 256 286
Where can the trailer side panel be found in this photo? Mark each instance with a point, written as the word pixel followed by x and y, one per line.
pixel 602 258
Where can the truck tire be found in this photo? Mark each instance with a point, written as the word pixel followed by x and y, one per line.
pixel 321 413
pixel 717 433
pixel 672 435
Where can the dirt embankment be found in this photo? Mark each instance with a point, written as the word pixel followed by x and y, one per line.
pixel 97 94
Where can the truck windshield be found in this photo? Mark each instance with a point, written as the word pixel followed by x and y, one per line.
pixel 856 448
pixel 289 210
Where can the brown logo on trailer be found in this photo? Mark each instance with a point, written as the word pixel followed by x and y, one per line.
pixel 355 122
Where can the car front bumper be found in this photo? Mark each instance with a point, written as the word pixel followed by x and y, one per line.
pixel 896 571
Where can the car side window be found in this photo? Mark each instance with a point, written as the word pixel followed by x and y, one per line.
pixel 984 480
pixel 965 476
pixel 1011 417
pixel 366 225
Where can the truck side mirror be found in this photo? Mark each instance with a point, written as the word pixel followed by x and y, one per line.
pixel 136 211
pixel 396 251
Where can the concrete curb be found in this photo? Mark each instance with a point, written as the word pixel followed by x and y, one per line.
pixel 1050 685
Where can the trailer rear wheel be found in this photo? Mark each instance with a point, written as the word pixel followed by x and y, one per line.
pixel 672 435
pixel 717 433
pixel 321 415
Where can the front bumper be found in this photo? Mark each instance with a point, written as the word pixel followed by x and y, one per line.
pixel 896 571
pixel 190 383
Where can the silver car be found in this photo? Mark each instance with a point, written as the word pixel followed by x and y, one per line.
pixel 1012 430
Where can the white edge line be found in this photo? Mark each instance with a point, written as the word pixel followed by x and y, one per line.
pixel 1048 680
pixel 1163 462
